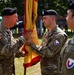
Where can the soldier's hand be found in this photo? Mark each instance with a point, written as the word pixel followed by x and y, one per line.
pixel 19 54
pixel 27 35
pixel 29 42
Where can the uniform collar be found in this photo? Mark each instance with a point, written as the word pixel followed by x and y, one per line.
pixel 53 30
pixel 4 28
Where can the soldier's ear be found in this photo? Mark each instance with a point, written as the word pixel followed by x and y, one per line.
pixel 53 17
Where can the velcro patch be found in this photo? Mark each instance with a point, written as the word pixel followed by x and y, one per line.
pixel 56 42
pixel 70 63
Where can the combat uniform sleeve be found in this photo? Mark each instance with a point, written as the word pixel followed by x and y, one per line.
pixel 53 46
pixel 18 43
pixel 7 48
pixel 63 50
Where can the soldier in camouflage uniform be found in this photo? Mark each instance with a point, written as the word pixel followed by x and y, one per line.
pixel 52 42
pixel 67 54
pixel 7 44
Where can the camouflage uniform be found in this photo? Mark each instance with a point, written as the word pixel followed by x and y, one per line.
pixel 50 50
pixel 7 49
pixel 67 55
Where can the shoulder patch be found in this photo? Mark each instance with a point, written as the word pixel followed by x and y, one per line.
pixel 69 63
pixel 56 42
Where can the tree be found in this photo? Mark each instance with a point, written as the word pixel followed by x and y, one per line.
pixel 59 5
pixel 19 5
pixel 13 3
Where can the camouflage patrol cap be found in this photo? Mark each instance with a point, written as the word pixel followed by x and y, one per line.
pixel 8 11
pixel 71 4
pixel 49 12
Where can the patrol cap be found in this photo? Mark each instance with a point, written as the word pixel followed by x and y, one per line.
pixel 49 12
pixel 71 4
pixel 8 11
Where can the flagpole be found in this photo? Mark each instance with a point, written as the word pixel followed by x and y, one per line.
pixel 24 26
pixel 24 71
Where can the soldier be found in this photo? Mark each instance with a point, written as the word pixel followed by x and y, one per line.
pixel 67 54
pixel 7 44
pixel 52 42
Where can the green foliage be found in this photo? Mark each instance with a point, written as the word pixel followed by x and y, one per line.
pixel 19 4
pixel 59 5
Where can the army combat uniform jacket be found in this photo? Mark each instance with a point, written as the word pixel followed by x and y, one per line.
pixel 7 49
pixel 67 55
pixel 50 50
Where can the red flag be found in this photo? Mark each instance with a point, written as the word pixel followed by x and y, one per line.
pixel 30 15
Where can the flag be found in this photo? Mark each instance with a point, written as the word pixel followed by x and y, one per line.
pixel 30 15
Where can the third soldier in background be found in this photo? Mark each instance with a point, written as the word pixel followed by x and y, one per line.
pixel 67 54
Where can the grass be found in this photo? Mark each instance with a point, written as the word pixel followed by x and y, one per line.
pixel 34 70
